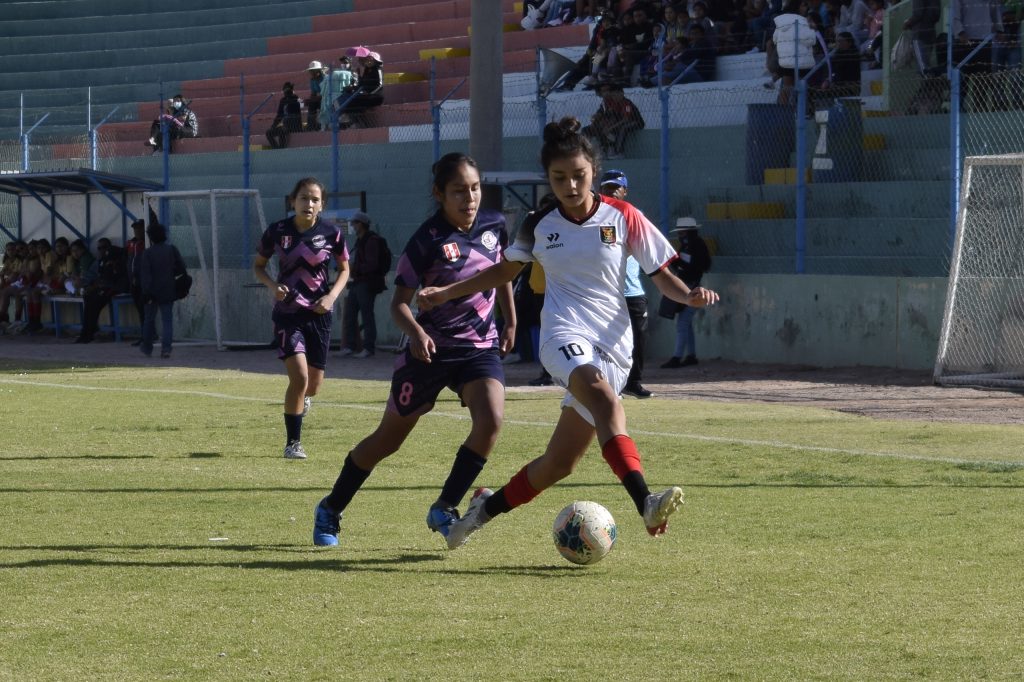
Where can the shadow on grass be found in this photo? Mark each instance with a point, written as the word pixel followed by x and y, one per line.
pixel 46 457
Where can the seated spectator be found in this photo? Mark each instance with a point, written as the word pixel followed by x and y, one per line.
pixel 62 265
pixel 180 120
pixel 14 263
pixel 313 102
pixel 635 46
pixel 695 63
pixel 594 61
pixel 614 121
pixel 371 90
pixel 873 21
pixel 36 283
pixel 288 119
pixel 852 15
pixel 81 264
pixel 699 16
pixel 107 278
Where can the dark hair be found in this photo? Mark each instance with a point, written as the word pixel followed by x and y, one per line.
pixel 304 182
pixel 288 85
pixel 444 169
pixel 157 233
pixel 563 139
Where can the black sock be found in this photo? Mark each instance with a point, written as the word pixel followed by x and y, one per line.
pixel 349 481
pixel 466 467
pixel 293 427
pixel 496 504
pixel 636 486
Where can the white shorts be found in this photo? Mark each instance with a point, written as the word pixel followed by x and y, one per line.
pixel 562 353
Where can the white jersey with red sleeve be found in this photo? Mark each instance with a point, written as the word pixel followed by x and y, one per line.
pixel 585 267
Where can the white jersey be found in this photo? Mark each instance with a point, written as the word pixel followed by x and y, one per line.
pixel 585 267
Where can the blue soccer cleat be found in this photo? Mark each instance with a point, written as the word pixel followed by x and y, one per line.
pixel 326 525
pixel 440 518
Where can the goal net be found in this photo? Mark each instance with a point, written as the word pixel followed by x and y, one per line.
pixel 217 231
pixel 982 339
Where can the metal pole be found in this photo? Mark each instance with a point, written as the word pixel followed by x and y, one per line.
pixel 164 207
pixel 486 114
pixel 542 101
pixel 954 150
pixel 801 161
pixel 435 109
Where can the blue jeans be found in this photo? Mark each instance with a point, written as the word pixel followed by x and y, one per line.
pixel 360 302
pixel 685 338
pixel 166 326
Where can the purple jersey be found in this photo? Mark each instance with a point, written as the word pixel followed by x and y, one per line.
pixel 303 260
pixel 438 254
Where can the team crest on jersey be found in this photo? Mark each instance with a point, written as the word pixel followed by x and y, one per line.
pixel 607 234
pixel 319 241
pixel 451 252
pixel 489 240
pixel 286 242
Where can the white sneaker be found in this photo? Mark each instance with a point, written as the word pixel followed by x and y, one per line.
pixel 363 354
pixel 460 529
pixel 344 352
pixel 307 403
pixel 294 451
pixel 658 507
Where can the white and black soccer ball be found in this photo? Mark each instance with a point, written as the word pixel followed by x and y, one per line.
pixel 584 532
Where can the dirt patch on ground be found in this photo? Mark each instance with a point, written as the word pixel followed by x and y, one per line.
pixel 870 391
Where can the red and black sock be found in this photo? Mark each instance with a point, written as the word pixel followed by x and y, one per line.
pixel 622 456
pixel 515 493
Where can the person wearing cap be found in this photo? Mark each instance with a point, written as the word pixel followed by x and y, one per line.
pixel 367 279
pixel 614 184
pixel 315 99
pixel 288 119
pixel 694 260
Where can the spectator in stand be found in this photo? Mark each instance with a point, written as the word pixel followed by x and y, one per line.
pixel 924 15
pixel 371 90
pixel 365 283
pixel 872 47
pixel 180 120
pixel 288 119
pixel 694 260
pixel 699 17
pixel 635 45
pixel 614 121
pixel 845 67
pixel 157 266
pixel 594 61
pixel 852 16
pixel 696 62
pixel 973 21
pixel 107 278
pixel 1006 58
pixel 133 249
pixel 614 184
pixel 315 99
pixel 673 29
pixel 62 265
pixel 337 86
pixel 792 49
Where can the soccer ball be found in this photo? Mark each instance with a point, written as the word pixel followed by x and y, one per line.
pixel 584 532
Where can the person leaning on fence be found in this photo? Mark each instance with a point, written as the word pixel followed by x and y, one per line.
pixel 288 118
pixel 157 269
pixel 180 120
pixel 370 263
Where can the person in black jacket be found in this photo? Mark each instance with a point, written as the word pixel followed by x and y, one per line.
pixel 288 119
pixel 365 282
pixel 694 260
pixel 107 278
pixel 158 266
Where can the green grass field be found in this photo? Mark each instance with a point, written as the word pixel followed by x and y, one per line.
pixel 152 530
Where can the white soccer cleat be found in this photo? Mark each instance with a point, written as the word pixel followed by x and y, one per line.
pixel 307 403
pixel 294 450
pixel 658 507
pixel 460 529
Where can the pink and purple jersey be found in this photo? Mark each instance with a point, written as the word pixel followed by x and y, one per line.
pixel 303 260
pixel 438 254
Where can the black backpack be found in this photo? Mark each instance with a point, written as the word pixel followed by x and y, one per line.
pixel 383 256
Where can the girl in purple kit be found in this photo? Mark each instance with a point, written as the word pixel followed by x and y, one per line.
pixel 455 345
pixel 304 295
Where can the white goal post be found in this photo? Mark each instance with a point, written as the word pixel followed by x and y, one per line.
pixel 982 338
pixel 230 211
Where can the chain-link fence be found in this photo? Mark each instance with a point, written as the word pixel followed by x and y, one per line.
pixel 855 180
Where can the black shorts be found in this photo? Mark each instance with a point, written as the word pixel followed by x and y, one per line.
pixel 415 384
pixel 305 333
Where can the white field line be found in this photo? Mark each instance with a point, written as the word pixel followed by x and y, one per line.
pixel 781 445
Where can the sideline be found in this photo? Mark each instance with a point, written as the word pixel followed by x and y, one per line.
pixel 460 416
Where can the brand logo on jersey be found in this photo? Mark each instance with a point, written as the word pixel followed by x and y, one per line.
pixel 286 242
pixel 553 241
pixel 489 240
pixel 451 252
pixel 607 234
pixel 553 237
pixel 319 241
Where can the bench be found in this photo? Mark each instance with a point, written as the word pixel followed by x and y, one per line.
pixel 116 325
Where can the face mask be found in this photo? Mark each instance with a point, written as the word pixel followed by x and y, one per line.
pixel 177 105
